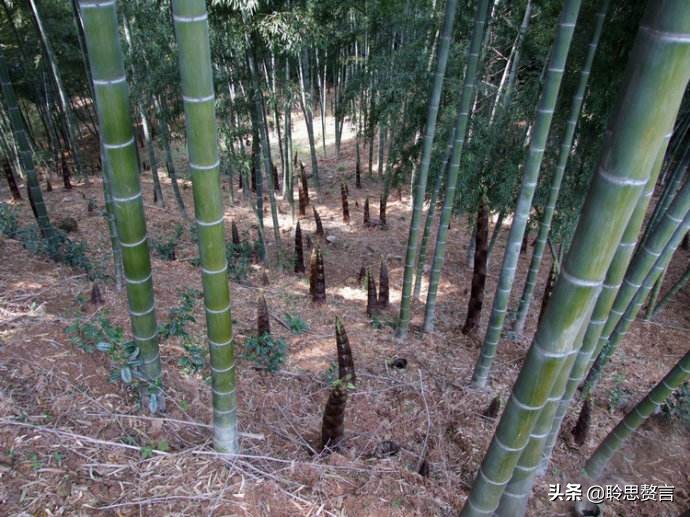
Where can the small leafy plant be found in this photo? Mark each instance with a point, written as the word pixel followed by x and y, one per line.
pixel 618 396
pixel 104 337
pixel 296 323
pixel 86 334
pixel 9 224
pixel 179 317
pixel 193 360
pixel 678 404
pixel 331 374
pixel 266 351
pixel 166 249
pixel 239 259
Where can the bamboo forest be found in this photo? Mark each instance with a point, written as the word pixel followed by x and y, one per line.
pixel 345 257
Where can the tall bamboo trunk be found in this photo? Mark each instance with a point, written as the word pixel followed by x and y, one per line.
pixel 421 258
pixel 432 115
pixel 11 180
pixel 192 34
pixel 72 128
pixel 605 300
pixel 120 159
pixel 636 417
pixel 25 155
pixel 641 265
pixel 265 143
pixel 680 284
pixel 109 214
pixel 169 161
pixel 307 110
pixel 153 162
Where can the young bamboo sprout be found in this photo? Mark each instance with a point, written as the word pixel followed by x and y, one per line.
pixel 235 234
pixel 346 364
pixel 317 222
pixel 372 300
pixel 358 175
pixel 384 298
pixel 96 296
pixel 548 288
pixel 346 206
pixel 305 184
pixel 299 250
pixel 365 217
pixel 302 202
pixel 317 277
pixel 333 426
pixel 581 429
pixel 263 318
pixel 361 276
pixel 474 309
pixel 382 212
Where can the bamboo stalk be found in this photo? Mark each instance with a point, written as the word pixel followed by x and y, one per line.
pixel 636 417
pixel 192 34
pixel 112 103
pixel 432 114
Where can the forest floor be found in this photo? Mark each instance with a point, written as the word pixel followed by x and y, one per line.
pixel 73 442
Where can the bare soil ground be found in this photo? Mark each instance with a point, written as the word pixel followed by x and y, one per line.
pixel 70 440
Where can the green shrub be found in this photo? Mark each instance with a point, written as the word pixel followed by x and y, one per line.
pixel 239 259
pixel 180 316
pixel 296 323
pixel 9 224
pixel 266 351
pixel 678 404
pixel 166 249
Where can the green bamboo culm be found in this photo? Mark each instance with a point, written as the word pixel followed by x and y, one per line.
pixel 109 214
pixel 657 65
pixel 564 154
pixel 112 102
pixel 25 155
pixel 654 297
pixel 639 414
pixel 609 290
pixel 420 188
pixel 680 284
pixel 674 183
pixel 517 491
pixel 540 133
pixel 192 34
pixel 109 211
pixel 635 304
pixel 72 126
pixel 642 263
pixel 467 96
pixel 429 221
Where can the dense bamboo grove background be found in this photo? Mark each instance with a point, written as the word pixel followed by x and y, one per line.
pixel 488 201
